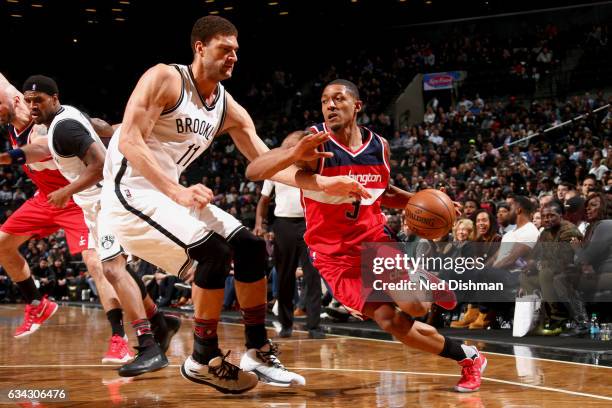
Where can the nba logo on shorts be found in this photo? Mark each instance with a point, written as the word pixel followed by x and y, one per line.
pixel 107 241
pixel 127 193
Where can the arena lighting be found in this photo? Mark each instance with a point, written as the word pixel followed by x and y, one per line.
pixel 90 10
pixel 273 3
pixel 228 8
pixel 12 1
pixel 16 15
pixel 119 19
pixel 210 1
pixel 37 5
pixel 283 13
pixel 124 2
pixel 214 12
pixel 428 2
pixel 117 9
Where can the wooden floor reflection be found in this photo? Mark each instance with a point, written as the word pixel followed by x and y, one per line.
pixel 340 372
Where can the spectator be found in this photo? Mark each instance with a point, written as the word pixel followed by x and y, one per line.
pixel 553 273
pixel 504 219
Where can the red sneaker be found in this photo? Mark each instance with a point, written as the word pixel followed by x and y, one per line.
pixel 118 351
pixel 34 316
pixel 443 297
pixel 471 372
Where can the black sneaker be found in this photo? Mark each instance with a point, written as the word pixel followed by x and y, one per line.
pixel 285 332
pixel 219 374
pixel 163 333
pixel 316 334
pixel 338 313
pixel 148 359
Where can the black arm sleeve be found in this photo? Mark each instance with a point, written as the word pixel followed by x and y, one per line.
pixel 71 138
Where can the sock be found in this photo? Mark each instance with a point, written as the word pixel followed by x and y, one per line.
pixel 456 350
pixel 254 326
pixel 152 312
pixel 115 317
pixel 158 322
pixel 206 341
pixel 142 327
pixel 29 291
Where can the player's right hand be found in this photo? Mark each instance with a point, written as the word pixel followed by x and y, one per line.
pixel 342 186
pixel 197 196
pixel 259 230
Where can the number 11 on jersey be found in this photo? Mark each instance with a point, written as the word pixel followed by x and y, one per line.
pixel 191 150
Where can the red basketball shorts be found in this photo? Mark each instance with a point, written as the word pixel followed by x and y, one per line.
pixel 40 219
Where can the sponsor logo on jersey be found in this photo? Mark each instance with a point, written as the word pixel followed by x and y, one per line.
pixel 365 178
pixel 197 126
pixel 107 241
pixel 82 241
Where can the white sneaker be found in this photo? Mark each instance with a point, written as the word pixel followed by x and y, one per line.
pixel 219 374
pixel 268 368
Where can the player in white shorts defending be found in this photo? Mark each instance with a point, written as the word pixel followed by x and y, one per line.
pixel 79 155
pixel 172 116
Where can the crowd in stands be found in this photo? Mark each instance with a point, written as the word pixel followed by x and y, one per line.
pixel 462 148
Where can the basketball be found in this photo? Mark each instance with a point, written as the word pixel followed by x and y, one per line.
pixel 430 214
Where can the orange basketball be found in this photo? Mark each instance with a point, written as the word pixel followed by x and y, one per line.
pixel 430 214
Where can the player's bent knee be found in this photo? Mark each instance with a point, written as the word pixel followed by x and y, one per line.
pixel 113 270
pixel 249 256
pixel 214 256
pixel 414 308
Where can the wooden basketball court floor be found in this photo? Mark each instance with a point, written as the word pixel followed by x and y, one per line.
pixel 340 372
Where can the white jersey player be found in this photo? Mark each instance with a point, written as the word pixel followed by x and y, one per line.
pixel 171 118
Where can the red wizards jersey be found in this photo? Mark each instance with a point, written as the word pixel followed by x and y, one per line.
pixel 44 173
pixel 339 225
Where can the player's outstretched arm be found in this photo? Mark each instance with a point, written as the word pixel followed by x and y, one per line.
pixel 298 147
pixel 158 89
pixel 242 130
pixel 35 151
pixel 395 197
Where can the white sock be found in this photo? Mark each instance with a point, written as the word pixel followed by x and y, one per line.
pixel 470 351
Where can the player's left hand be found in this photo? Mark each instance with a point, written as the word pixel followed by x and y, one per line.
pixel 306 148
pixel 458 208
pixel 59 198
pixel 343 186
pixel 457 204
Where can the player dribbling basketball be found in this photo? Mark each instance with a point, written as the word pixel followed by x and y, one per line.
pixel 337 228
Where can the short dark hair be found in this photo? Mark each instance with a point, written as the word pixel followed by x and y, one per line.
pixel 504 205
pixel 350 86
pixel 207 27
pixel 525 204
pixel 556 205
pixel 590 176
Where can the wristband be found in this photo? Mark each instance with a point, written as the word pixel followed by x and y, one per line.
pixel 17 156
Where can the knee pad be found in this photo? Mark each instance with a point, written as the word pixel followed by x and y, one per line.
pixel 139 282
pixel 214 256
pixel 250 256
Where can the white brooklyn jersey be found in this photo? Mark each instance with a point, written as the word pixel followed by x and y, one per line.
pixel 180 135
pixel 72 166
